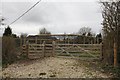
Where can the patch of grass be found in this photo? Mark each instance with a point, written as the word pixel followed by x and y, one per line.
pixel 107 69
pixel 23 57
pixel 110 69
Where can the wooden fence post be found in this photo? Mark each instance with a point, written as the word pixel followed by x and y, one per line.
pixel 101 51
pixel 115 55
pixel 36 40
pixel 97 40
pixel 53 45
pixel 43 50
pixel 24 40
pixel 27 49
pixel 84 40
pixel 94 40
pixel 21 42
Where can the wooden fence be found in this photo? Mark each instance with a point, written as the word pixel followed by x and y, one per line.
pixel 75 50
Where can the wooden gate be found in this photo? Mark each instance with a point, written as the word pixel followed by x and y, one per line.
pixel 66 44
pixel 34 51
pixel 83 51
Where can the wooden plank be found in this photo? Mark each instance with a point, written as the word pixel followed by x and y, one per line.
pixel 79 44
pixel 82 44
pixel 49 48
pixel 35 45
pixel 31 48
pixel 48 45
pixel 77 51
pixel 30 51
pixel 74 48
pixel 35 54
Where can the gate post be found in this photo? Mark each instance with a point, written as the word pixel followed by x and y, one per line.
pixel 43 49
pixel 21 42
pixel 101 51
pixel 27 49
pixel 53 45
pixel 36 40
pixel 115 54
pixel 83 39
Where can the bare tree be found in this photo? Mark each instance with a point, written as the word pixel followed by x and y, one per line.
pixel 84 30
pixel 44 31
pixel 111 23
pixel 23 35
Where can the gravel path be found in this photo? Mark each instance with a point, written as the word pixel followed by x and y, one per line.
pixel 51 67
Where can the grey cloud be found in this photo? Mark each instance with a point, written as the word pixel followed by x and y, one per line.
pixel 56 16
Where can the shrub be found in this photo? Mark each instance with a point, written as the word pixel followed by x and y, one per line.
pixel 8 50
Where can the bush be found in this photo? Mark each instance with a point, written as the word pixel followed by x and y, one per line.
pixel 8 50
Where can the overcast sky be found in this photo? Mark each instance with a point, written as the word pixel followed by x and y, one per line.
pixel 55 15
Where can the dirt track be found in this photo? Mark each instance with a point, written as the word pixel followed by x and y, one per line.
pixel 51 67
